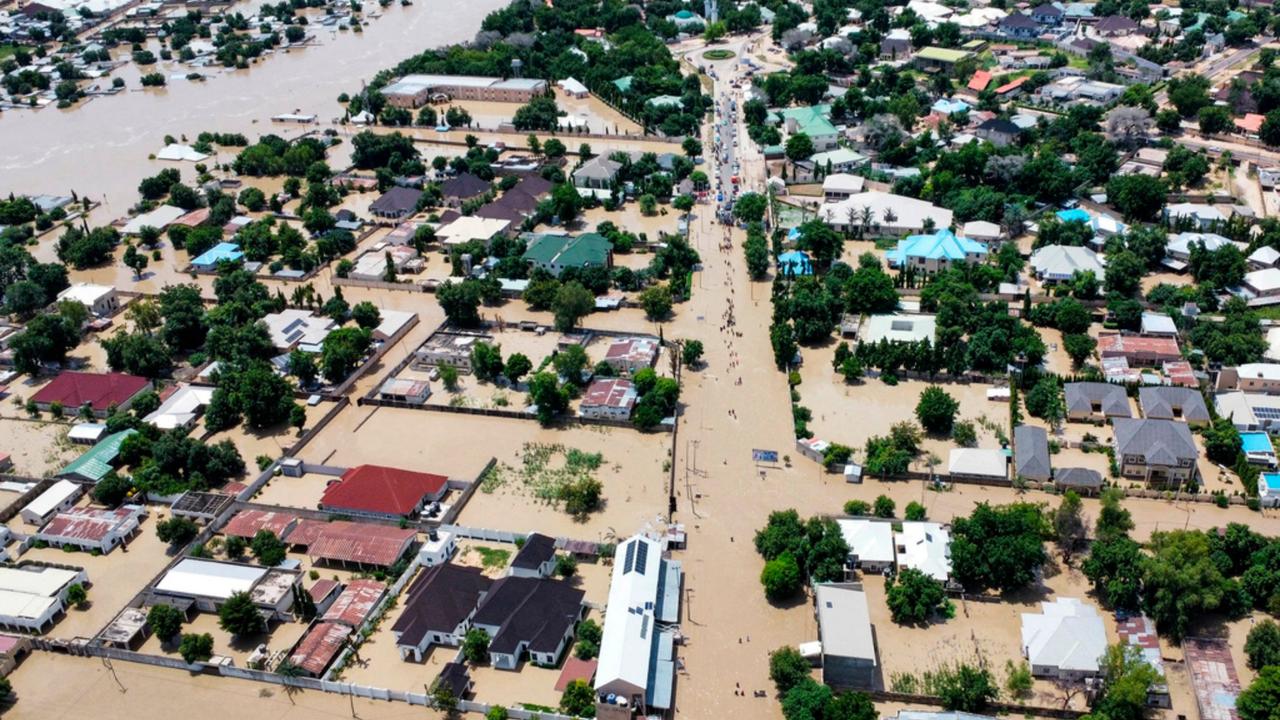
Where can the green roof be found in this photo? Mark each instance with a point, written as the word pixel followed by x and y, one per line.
pixel 588 249
pixel 812 120
pixel 943 55
pixel 664 101
pixel 95 464
pixel 623 83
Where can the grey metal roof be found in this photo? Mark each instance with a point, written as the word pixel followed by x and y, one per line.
pixel 1031 452
pixel 1077 477
pixel 1170 403
pixel 1161 442
pixel 1081 396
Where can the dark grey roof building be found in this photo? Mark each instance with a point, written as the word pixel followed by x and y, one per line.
pixel 437 607
pixel 537 557
pixel 1031 453
pixel 529 615
pixel 1173 403
pixel 1094 399
pixel 1160 452
pixel 1078 479
pixel 395 203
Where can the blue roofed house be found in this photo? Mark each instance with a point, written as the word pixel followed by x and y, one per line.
pixel 1074 215
pixel 795 262
pixel 1269 489
pixel 948 107
pixel 220 253
pixel 939 251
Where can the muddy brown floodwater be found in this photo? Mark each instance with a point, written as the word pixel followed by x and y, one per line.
pixel 100 147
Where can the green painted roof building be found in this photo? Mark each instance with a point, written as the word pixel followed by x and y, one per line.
pixel 623 84
pixel 555 253
pixel 95 464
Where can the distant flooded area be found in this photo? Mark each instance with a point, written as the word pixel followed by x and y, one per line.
pixel 101 148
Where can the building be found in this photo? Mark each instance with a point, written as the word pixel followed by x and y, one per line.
pixel 1019 26
pixel 372 266
pixel 448 348
pixel 1084 481
pixel 412 91
pixel 100 300
pixel 346 543
pixel 898 327
pixel 60 496
pixel 463 187
pixel 536 558
pixel 1115 26
pixel 871 547
pixel 555 253
pixel 924 546
pixel 32 596
pixel 438 607
pixel 573 88
pixel 355 603
pixel 383 492
pixel 998 131
pixel 1251 377
pixel 839 160
pixel 1198 216
pixel 1031 453
pixel 896 45
pixel 98 461
pixel 207 584
pixel 848 640
pixel 296 329
pixel 608 399
pixel 933 253
pixel 316 651
pixel 1138 350
pixel 1249 411
pixel 984 232
pixel 1053 264
pixel 598 173
pixel 1178 247
pixel 528 616
pixel 223 252
pixel 839 186
pixel 1158 325
pixel 438 548
pixel 812 120
pixel 396 203
pixel 247 523
pixel 1158 452
pixel 102 392
pixel 936 59
pixel 92 529
pixel 405 390
pixel 978 464
pixel 637 650
pixel 1261 284
pixel 1173 403
pixel 632 354
pixel 181 408
pixel 882 214
pixel 1269 489
pixel 1264 257
pixel 1065 641
pixel 160 218
pixel 471 228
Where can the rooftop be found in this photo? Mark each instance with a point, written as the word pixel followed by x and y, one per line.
pixel 73 389
pixel 844 622
pixel 382 490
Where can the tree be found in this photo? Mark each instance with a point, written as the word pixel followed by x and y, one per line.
pixel 1189 93
pixel 578 698
pixel 486 361
pixel 781 578
pixel 137 353
pixel 750 207
pixel 589 634
pixel 475 646
pixel 1115 566
pixel 341 352
pixel 884 506
pixel 1260 700
pixel 1138 197
pixel 799 147
pixel 1222 442
pixel 572 303
pixel 196 647
pixel 870 290
pixel 267 548
pixel 165 621
pixel 366 315
pixel 176 531
pixel 77 596
pixel 1079 348
pixel 1113 519
pixel 913 597
pixel 540 113
pixel 936 410
pixel 135 261
pixel 518 365
pixel 112 489
pixel 788 668
pixel 551 399
pixel 656 301
pixel 998 547
pixel 460 302
pixel 691 352
pixel 691 146
pixel 915 512
pixel 1069 525
pixel 1127 678
pixel 1263 645
pixel 240 617
pixel 1181 582
pixel 1044 400
pixel 571 363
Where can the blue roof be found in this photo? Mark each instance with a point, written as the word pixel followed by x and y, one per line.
pixel 940 245
pixel 1256 442
pixel 662 671
pixel 950 107
pixel 668 607
pixel 222 252
pixel 796 261
pixel 1272 480
pixel 1074 214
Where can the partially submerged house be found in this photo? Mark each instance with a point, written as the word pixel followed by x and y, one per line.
pixel 849 658
pixel 1031 453
pixel 1095 401
pixel 1159 452
pixel 1065 641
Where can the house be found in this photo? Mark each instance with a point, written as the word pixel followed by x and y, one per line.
pixel 1178 246
pixel 1065 641
pixel 98 461
pixel 1019 26
pixel 637 650
pixel 1158 325
pixel 448 348
pixel 456 677
pixel 438 548
pixel 1249 125
pixel 1173 403
pixel 356 603
pixel 998 132
pixel 463 187
pixel 100 300
pixel 1009 90
pixel 839 160
pixel 1197 215
pixel 984 232
pixel 598 173
pixel 1031 453
pixel 794 263
pixel 812 120
pixel 247 523
pixel 412 91
pixel 1053 264
pixel 555 253
pixel 839 186
pixel 1095 401
pixel 870 541
pixel 181 408
pixel 298 329
pixel 1261 284
pixel 382 492
pixel 979 81
pixel 207 584
pixel 1249 411
pixel 884 214
pixel 101 392
pixel 1047 14
pixel 372 266
pixel 396 203
pixel 1158 452
pixel 1115 26
pixel 899 327
pixel 896 45
pixel 60 496
pixel 34 594
pixel 1080 480
pixel 92 529
pixel 533 616
pixel 536 558
pixel 1251 377
pixel 1138 350
pixel 471 228
pixel 608 399
pixel 573 88
pixel 1264 257
pixel 1258 449
pixel 631 354
pixel 1269 489
pixel 405 390
pixel 849 657
pixel 978 464
pixel 936 59
pixel 316 651
pixel 924 546
pixel 223 252
pixel 160 218
pixel 939 251
pixel 346 543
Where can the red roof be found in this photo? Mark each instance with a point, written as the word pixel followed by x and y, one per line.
pixel 353 542
pixel 980 80
pixel 1250 123
pixel 92 524
pixel 356 602
pixel 322 588
pixel 1011 86
pixel 1137 348
pixel 382 490
pixel 247 523
pixel 100 390
pixel 575 669
pixel 610 392
pixel 319 647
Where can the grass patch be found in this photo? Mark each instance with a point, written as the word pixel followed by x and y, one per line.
pixel 491 558
pixel 6 50
pixel 718 54
pixel 545 469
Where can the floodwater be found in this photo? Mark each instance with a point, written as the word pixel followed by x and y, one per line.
pixel 101 147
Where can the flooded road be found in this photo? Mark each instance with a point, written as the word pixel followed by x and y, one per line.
pixel 101 147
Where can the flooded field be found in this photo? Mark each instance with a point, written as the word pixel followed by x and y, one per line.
pixel 36 448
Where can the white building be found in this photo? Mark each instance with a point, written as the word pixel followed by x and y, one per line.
pixel 91 529
pixel 405 390
pixel 1066 641
pixel 840 186
pixel 291 328
pixel 470 227
pixel 62 495
pixel 848 641
pixel 1060 263
pixel 160 218
pixel 608 399
pixel 100 300
pixel 925 546
pixel 372 266
pixel 899 327
pixel 182 408
pixel 978 463
pixel 870 543
pixel 573 88
pixel 886 214
pixel 210 583
pixel 1249 411
pixel 31 596
pixel 438 548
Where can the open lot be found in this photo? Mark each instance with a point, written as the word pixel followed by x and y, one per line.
pixel 279 637
pixel 37 448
